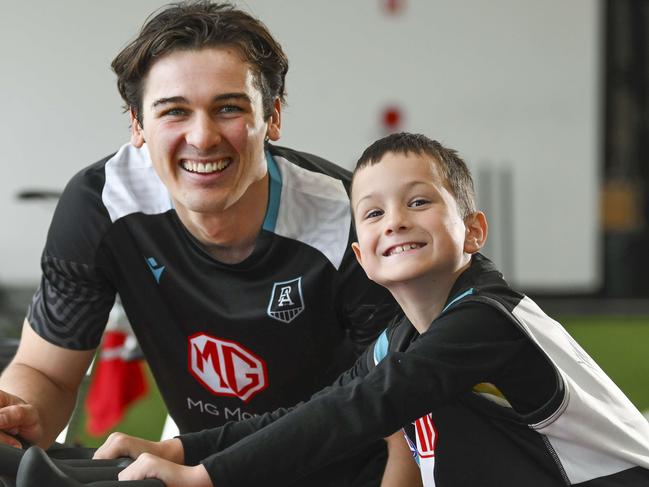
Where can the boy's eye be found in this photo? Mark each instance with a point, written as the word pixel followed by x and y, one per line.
pixel 418 202
pixel 373 213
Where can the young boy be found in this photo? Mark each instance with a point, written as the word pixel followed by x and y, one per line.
pixel 488 389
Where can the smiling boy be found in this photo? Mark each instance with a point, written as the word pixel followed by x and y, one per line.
pixel 488 390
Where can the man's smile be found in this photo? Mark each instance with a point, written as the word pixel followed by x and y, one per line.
pixel 205 167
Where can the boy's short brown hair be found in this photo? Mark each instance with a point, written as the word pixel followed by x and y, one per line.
pixel 457 176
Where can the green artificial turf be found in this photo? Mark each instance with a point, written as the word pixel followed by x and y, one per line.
pixel 620 345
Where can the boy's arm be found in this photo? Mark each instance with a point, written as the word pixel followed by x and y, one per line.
pixel 200 445
pixel 401 469
pixel 191 448
pixel 438 366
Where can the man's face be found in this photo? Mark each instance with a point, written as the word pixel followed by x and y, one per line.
pixel 407 221
pixel 203 123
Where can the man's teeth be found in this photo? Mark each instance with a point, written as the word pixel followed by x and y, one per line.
pixel 402 248
pixel 206 167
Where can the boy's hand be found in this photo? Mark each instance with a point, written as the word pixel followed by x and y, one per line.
pixel 173 475
pixel 122 445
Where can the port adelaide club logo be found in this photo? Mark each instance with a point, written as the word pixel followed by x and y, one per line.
pixel 286 300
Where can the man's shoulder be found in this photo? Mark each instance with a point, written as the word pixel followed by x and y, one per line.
pixel 311 162
pixel 314 203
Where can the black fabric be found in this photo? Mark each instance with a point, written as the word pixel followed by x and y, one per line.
pixel 479 440
pixel 173 291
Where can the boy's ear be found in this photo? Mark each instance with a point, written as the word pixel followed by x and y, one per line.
pixel 137 134
pixel 359 257
pixel 476 232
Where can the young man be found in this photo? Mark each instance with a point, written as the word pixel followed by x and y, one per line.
pixel 488 389
pixel 231 255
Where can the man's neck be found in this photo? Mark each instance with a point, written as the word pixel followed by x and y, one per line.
pixel 230 235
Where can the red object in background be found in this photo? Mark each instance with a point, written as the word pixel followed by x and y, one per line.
pixel 116 383
pixel 394 6
pixel 392 119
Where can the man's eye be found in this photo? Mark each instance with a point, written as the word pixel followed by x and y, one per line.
pixel 229 109
pixel 174 112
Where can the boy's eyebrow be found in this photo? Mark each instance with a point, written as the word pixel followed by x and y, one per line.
pixel 406 186
pixel 367 196
pixel 182 99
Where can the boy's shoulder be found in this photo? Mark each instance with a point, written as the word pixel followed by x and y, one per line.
pixel 482 282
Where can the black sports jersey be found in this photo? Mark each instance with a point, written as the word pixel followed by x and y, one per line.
pixel 494 393
pixel 224 342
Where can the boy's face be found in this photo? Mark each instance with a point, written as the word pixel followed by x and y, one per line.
pixel 408 223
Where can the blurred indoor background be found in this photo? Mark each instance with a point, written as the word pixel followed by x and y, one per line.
pixel 547 101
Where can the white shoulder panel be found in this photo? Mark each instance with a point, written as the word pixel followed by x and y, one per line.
pixel 597 431
pixel 314 209
pixel 132 185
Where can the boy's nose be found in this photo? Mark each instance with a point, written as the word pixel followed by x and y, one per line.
pixel 397 221
pixel 203 133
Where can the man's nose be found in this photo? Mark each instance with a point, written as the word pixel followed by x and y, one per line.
pixel 203 132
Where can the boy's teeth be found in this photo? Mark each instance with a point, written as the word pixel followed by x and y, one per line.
pixel 401 248
pixel 206 167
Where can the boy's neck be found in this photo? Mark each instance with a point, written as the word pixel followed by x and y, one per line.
pixel 423 299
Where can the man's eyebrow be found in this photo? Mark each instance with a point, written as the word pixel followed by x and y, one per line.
pixel 182 99
pixel 228 96
pixel 169 100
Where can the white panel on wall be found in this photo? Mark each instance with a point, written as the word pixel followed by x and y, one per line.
pixel 512 84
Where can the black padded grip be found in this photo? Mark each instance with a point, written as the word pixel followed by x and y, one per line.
pixel 36 469
pixel 10 458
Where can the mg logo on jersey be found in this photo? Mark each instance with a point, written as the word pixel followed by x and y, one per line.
pixel 286 300
pixel 226 368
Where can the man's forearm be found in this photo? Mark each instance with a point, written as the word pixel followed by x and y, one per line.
pixel 53 403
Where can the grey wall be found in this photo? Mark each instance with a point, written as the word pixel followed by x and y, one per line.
pixel 512 84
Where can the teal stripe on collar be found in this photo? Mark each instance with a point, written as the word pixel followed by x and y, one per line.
pixel 381 347
pixel 466 293
pixel 274 193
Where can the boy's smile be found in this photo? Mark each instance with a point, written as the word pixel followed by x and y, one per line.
pixel 408 222
pixel 399 249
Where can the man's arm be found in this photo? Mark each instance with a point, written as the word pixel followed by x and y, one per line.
pixel 40 389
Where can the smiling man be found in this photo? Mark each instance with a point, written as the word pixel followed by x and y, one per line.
pixel 231 255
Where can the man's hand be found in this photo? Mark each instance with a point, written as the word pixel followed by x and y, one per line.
pixel 40 385
pixel 122 445
pixel 173 475
pixel 17 418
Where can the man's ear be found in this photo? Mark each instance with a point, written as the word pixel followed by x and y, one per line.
pixel 273 131
pixel 137 134
pixel 476 232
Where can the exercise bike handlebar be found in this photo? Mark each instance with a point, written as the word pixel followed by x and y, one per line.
pixel 36 469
